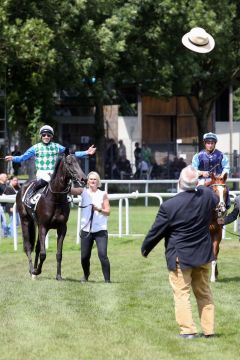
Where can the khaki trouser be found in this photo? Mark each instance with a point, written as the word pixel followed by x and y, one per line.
pixel 182 282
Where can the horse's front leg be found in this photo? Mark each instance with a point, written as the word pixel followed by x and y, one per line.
pixel 41 253
pixel 61 232
pixel 216 239
pixel 37 252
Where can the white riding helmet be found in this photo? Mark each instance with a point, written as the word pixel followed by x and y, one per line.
pixel 210 136
pixel 46 128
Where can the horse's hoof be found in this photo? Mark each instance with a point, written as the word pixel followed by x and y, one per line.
pixel 58 277
pixel 34 277
pixel 36 272
pixel 213 280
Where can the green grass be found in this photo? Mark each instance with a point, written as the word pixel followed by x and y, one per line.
pixel 132 318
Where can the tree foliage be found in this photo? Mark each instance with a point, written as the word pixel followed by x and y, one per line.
pixel 162 66
pixel 51 45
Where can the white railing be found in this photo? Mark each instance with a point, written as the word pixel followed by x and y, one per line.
pixel 120 198
pixel 146 183
pixel 113 197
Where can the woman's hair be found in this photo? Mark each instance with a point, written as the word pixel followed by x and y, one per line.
pixel 94 173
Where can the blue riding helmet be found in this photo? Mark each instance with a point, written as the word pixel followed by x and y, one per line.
pixel 210 136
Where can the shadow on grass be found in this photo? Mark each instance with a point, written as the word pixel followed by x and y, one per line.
pixel 68 279
pixel 229 279
pixel 90 281
pixel 74 280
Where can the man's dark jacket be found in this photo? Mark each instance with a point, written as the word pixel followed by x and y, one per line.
pixel 184 223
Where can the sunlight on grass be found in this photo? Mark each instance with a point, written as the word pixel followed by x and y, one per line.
pixel 132 318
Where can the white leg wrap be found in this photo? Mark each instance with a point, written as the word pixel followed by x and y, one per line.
pixel 213 278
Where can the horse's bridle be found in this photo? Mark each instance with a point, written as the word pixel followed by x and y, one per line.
pixel 72 174
pixel 221 206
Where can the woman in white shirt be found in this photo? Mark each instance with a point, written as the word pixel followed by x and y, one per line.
pixel 94 215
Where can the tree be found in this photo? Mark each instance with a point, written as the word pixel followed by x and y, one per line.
pixel 159 64
pixel 50 45
pixel 96 38
pixel 29 59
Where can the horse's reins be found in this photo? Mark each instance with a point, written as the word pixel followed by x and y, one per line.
pixel 228 231
pixel 217 185
pixel 211 171
pixel 65 191
pixel 91 216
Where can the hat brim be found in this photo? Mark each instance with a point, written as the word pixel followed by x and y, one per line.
pixel 199 49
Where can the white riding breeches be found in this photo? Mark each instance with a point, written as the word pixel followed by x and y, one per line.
pixel 44 174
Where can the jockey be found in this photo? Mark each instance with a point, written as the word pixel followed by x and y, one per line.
pixel 45 153
pixel 210 160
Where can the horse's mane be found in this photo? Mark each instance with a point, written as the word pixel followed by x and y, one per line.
pixel 59 159
pixel 57 164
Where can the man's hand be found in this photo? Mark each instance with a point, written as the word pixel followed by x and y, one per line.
pixel 91 150
pixel 8 158
pixel 205 173
pixel 220 221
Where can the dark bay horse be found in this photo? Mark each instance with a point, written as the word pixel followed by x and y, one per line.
pixel 218 185
pixel 52 212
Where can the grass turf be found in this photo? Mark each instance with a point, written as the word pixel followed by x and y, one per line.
pixel 131 318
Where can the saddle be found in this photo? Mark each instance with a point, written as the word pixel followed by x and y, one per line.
pixel 31 198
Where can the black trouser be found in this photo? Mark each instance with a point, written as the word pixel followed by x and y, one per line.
pixel 87 240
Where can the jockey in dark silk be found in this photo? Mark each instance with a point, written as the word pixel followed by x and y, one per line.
pixel 210 160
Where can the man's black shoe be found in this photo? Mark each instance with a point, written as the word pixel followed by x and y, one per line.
pixel 209 336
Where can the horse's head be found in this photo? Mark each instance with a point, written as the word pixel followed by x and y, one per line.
pixel 218 185
pixel 66 151
pixel 73 169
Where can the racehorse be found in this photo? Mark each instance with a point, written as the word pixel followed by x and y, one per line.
pixel 52 212
pixel 218 185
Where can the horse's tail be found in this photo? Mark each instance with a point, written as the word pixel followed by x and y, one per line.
pixel 27 221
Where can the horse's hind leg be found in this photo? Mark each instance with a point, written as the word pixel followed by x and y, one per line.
pixel 28 232
pixel 61 235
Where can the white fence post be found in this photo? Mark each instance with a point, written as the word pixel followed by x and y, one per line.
pixel 120 197
pixel 120 218
pixel 127 215
pixel 14 224
pixel 146 191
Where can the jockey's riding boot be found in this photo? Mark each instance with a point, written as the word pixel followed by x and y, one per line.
pixel 33 189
